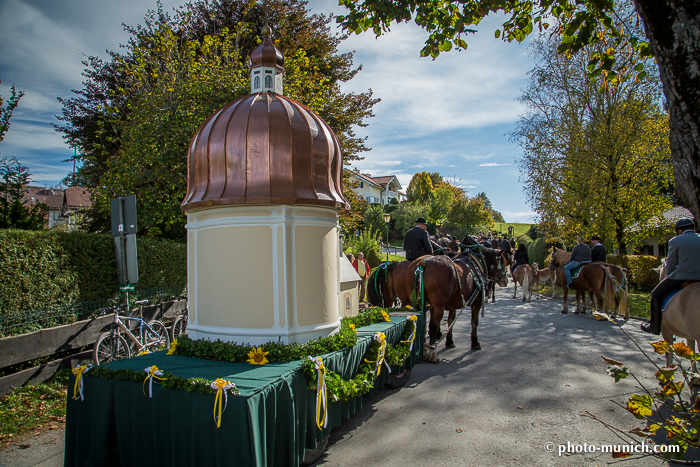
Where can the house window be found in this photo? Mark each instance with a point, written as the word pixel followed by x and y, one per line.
pixel 256 83
pixel 362 185
pixel 268 81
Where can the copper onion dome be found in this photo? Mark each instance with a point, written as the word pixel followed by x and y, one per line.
pixel 264 149
pixel 266 54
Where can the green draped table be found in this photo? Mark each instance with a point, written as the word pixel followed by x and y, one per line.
pixel 270 423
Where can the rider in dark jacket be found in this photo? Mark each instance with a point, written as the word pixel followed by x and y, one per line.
pixel 681 265
pixel 598 252
pixel 519 257
pixel 416 242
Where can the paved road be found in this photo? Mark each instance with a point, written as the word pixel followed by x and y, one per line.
pixel 537 372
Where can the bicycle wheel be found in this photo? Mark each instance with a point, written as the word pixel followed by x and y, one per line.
pixel 178 327
pixel 110 346
pixel 156 338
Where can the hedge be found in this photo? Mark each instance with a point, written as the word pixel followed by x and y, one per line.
pixel 39 269
pixel 640 270
pixel 535 252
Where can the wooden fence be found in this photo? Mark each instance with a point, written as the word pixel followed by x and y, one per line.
pixel 53 341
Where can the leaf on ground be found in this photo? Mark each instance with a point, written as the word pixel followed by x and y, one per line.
pixel 610 361
pixel 621 455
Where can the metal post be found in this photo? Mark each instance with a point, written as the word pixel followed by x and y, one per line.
pixel 387 243
pixel 122 239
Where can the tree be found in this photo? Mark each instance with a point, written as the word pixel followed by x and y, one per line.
pixel 596 158
pixel 374 220
pixel 468 216
pixel 15 210
pixel 420 188
pixel 6 112
pixel 671 38
pixel 137 112
pixel 497 216
pixel 405 215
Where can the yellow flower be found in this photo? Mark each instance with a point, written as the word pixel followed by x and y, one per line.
pixel 352 326
pixel 386 316
pixel 257 356
pixel 143 352
pixel 408 307
pixel 173 346
pixel 413 318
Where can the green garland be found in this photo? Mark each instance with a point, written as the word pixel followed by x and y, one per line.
pixel 199 385
pixel 338 388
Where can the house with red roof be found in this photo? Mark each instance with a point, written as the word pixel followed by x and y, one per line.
pixel 380 189
pixel 64 204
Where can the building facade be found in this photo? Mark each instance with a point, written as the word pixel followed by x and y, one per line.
pixel 377 189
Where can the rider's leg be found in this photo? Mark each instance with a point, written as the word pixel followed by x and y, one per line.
pixel 665 287
pixel 567 270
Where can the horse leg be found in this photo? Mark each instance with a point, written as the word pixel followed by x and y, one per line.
pixel 599 298
pixel 515 284
pixel 449 343
pixel 593 307
pixel 434 335
pixel 493 292
pixel 565 309
pixel 475 323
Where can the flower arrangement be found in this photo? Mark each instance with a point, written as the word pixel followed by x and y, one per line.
pixel 258 356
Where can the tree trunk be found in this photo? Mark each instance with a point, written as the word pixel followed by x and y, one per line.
pixel 673 30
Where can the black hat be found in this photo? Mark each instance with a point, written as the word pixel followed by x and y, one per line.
pixel 421 220
pixel 595 237
pixel 684 223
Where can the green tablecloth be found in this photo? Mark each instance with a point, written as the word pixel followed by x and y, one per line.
pixel 270 423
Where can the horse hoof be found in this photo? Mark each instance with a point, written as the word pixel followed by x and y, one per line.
pixel 450 345
pixel 476 347
pixel 564 311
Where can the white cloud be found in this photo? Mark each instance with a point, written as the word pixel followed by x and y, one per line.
pixel 491 164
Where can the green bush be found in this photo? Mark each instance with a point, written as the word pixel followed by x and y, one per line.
pixel 536 251
pixel 39 269
pixel 364 243
pixel 640 269
pixel 523 239
pixel 374 258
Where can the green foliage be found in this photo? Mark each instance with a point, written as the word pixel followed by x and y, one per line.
pixel 374 219
pixel 6 112
pixel 374 258
pixel 405 215
pixel 41 269
pixel 640 269
pixel 518 229
pixel 420 189
pixel 351 221
pixel 198 385
pixel 669 411
pixel 468 216
pixel 137 113
pixel 15 211
pixel 366 242
pixel 535 251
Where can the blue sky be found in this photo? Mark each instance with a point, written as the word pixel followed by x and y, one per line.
pixel 450 115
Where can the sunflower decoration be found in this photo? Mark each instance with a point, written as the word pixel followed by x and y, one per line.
pixel 386 316
pixel 173 347
pixel 257 356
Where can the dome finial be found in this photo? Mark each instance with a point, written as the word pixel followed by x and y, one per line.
pixel 266 31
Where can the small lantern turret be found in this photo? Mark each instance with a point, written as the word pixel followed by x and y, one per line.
pixel 266 66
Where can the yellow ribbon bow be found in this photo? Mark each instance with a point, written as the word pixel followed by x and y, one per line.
pixel 412 337
pixel 221 385
pixel 381 338
pixel 78 371
pixel 152 372
pixel 321 393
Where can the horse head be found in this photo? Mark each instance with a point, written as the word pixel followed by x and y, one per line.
pixel 496 265
pixel 378 291
pixel 554 262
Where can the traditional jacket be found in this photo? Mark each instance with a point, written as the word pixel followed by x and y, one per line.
pixel 683 262
pixel 521 257
pixel 416 243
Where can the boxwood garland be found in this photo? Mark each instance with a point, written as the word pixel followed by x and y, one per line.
pixel 338 388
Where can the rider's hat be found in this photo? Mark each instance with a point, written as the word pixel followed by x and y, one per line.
pixel 421 220
pixel 684 223
pixel 595 237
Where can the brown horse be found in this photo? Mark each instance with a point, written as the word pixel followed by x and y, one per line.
pixel 680 318
pixel 445 284
pixel 593 277
pixel 523 276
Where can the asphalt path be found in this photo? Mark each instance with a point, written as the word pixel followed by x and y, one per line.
pixel 538 372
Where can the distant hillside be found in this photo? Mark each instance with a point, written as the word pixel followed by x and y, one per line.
pixel 519 229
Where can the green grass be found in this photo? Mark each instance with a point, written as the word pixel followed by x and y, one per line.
pixel 518 229
pixel 32 407
pixel 639 304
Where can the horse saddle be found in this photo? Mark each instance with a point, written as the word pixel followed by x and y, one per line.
pixel 575 272
pixel 673 293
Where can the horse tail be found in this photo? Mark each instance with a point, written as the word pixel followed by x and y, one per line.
pixel 526 281
pixel 609 291
pixel 377 281
pixel 624 294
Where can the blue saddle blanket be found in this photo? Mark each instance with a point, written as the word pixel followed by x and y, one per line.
pixel 668 298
